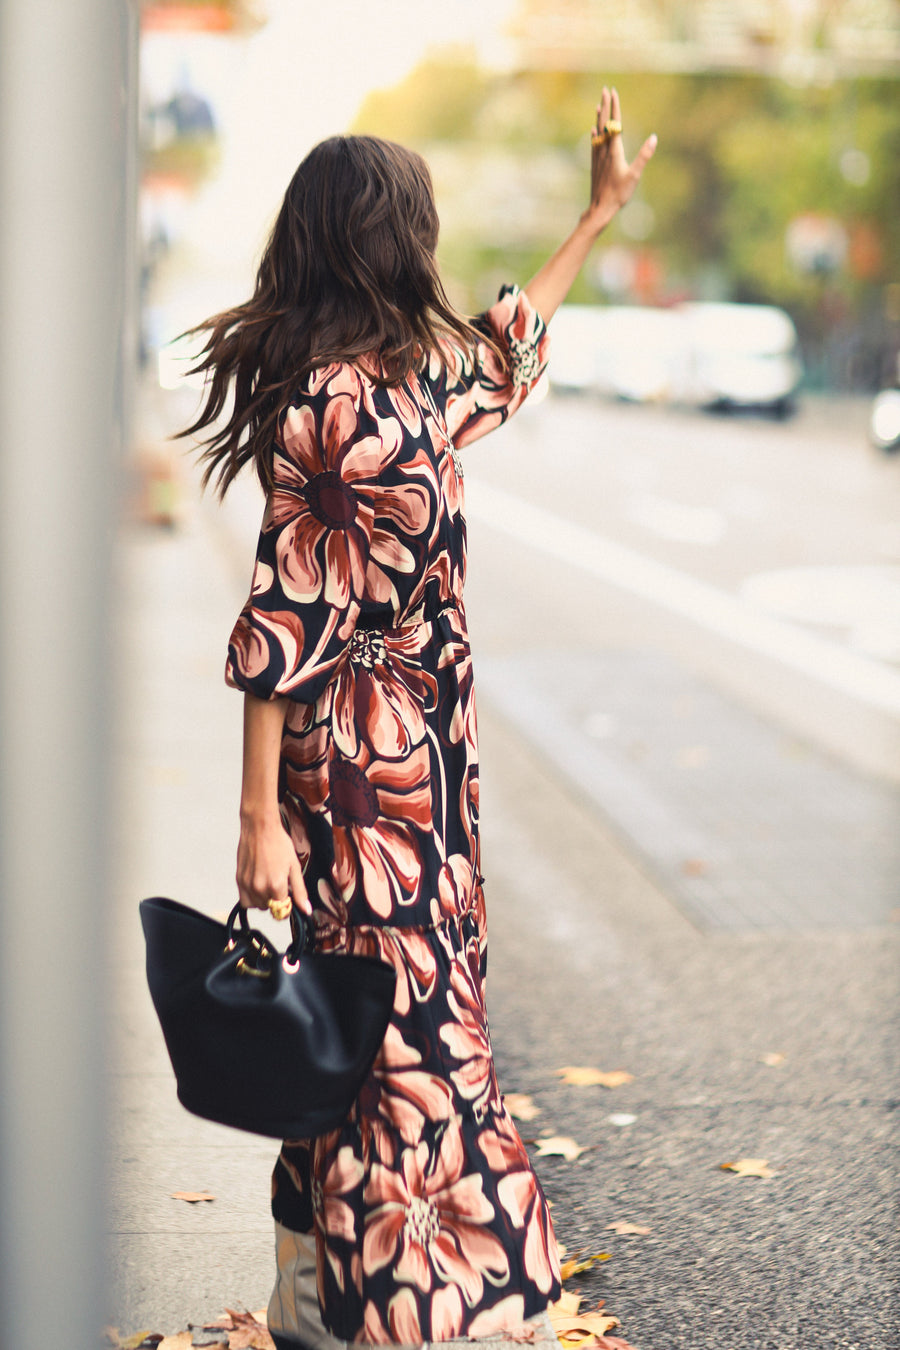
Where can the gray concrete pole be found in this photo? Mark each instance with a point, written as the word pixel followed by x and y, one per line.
pixel 66 71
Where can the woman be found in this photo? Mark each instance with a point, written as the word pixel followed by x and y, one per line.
pixel 355 384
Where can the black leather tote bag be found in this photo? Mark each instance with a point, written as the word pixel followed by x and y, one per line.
pixel 271 1043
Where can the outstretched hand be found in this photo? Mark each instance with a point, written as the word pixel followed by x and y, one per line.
pixel 613 179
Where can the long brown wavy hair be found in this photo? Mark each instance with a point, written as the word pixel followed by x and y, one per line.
pixel 349 272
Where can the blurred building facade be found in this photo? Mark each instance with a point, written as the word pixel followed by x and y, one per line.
pixel 793 39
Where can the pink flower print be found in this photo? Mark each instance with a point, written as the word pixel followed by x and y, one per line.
pixel 373 1330
pixel 507 1315
pixel 334 1218
pixel 404 1325
pixel 305 754
pixel 455 884
pixel 520 1195
pixel 372 698
pixel 324 523
pixel 402 1092
pixel 403 1319
pixel 467 1039
pixel 406 408
pixel 322 502
pixel 456 658
pixel 446 1314
pixel 250 651
pixel 429 1218
pixel 376 805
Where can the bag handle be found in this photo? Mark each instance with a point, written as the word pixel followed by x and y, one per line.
pixel 301 935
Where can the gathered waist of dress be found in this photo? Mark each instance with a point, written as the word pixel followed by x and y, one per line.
pixel 328 926
pixel 382 622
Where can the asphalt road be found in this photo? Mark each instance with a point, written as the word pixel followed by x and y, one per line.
pixel 691 852
pixel 690 849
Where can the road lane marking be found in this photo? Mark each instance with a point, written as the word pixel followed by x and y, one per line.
pixel 673 520
pixel 717 611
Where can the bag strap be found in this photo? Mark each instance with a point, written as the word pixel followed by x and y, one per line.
pixel 301 935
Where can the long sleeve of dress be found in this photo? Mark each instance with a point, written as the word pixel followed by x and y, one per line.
pixel 482 391
pixel 293 633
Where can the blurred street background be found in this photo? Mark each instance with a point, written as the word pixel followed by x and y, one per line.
pixel 684 597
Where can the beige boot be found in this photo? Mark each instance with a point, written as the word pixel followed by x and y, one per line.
pixel 295 1322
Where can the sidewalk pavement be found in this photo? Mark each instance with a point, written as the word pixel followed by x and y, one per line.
pixel 178 766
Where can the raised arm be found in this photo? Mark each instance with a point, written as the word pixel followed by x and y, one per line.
pixel 613 180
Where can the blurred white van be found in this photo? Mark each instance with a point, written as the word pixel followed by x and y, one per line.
pixel 741 356
pixel 703 355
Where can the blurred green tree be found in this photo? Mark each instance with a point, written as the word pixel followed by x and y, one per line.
pixel 741 157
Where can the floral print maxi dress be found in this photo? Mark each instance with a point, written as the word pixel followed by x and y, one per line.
pixel 429 1221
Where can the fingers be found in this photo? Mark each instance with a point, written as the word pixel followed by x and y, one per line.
pixel 263 885
pixel 603 112
pixel 644 155
pixel 299 893
pixel 615 106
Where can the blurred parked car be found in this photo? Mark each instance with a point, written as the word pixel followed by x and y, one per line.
pixel 702 355
pixel 621 351
pixel 741 356
pixel 884 421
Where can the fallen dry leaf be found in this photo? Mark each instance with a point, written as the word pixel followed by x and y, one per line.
pixel 577 1265
pixel 183 1341
pixel 566 1305
pixel 750 1167
pixel 582 1338
pixel 582 1076
pixel 774 1059
pixel 192 1197
pixel 140 1338
pixel 587 1324
pixel 250 1338
pixel 624 1227
pixel 520 1105
pixel 249 1333
pixel 559 1146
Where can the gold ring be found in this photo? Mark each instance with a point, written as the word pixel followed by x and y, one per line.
pixel 279 909
pixel 610 129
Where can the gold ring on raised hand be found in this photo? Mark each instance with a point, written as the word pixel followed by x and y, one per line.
pixel 279 909
pixel 610 129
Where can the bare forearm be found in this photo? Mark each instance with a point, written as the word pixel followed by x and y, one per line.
pixel 268 869
pixel 549 287
pixel 263 728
